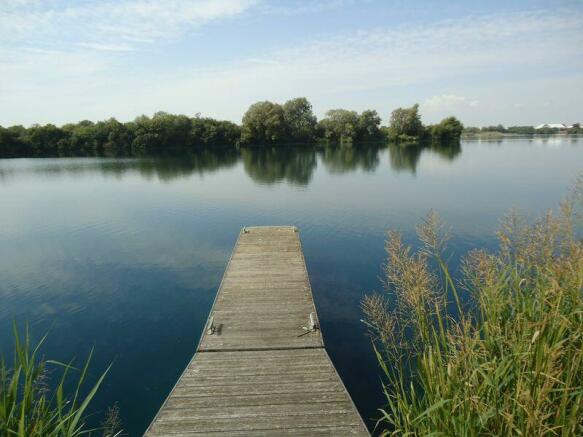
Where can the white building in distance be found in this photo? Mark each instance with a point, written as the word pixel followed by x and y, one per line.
pixel 553 126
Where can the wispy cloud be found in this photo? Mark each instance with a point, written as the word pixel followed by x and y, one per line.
pixel 300 7
pixel 470 38
pixel 477 65
pixel 109 23
pixel 106 47
pixel 439 106
pixel 376 60
pixel 448 101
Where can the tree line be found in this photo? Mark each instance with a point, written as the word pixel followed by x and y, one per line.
pixel 268 123
pixel 264 124
pixel 576 129
pixel 145 134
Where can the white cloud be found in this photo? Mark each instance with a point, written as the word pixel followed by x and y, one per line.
pixel 474 65
pixel 109 22
pixel 449 100
pixel 291 8
pixel 373 59
pixel 440 106
pixel 107 47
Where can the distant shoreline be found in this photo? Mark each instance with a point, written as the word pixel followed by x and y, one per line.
pixel 500 135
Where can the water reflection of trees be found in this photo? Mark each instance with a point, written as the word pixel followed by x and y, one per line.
pixel 268 166
pixel 167 168
pixel 343 159
pixel 405 157
pixel 263 165
pixel 449 151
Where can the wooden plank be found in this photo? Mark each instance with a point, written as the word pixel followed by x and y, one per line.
pixel 195 402
pixel 259 372
pixel 269 410
pixel 240 389
pixel 303 432
pixel 226 425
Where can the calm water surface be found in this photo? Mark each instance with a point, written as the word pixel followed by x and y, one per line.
pixel 125 256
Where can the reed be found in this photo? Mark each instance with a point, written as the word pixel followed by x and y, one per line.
pixel 30 407
pixel 511 363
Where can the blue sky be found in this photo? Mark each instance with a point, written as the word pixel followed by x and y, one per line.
pixel 510 62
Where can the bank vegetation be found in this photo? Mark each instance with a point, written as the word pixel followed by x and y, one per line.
pixel 510 362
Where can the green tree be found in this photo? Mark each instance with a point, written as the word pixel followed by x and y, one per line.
pixel 406 122
pixel 114 135
pixel 161 132
pixel 471 130
pixel 207 132
pixel 548 131
pixel 521 130
pixel 497 128
pixel 340 125
pixel 576 129
pixel 44 140
pixel 263 123
pixel 171 130
pixel 368 125
pixel 448 130
pixel 299 119
pixel 144 137
pixel 82 137
pixel 11 144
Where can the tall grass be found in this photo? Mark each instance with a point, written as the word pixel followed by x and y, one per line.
pixel 509 364
pixel 28 407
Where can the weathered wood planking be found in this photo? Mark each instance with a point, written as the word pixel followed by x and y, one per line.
pixel 259 373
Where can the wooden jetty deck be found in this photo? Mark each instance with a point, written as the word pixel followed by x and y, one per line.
pixel 260 369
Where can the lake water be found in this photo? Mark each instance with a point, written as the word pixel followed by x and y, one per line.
pixel 125 255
